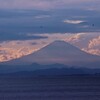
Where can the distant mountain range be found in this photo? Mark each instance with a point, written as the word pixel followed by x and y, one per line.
pixel 53 72
pixel 58 54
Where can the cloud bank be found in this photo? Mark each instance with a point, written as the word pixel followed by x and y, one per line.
pixel 88 42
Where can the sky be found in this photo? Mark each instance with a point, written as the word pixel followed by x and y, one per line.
pixel 28 25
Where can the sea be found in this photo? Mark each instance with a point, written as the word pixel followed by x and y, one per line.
pixel 73 87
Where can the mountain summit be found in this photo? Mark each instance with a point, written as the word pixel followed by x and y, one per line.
pixel 58 52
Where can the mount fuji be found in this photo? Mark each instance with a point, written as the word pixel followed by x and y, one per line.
pixel 58 52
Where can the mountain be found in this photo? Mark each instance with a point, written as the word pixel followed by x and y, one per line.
pixel 58 52
pixel 53 72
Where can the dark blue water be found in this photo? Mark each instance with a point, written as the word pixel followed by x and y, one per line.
pixel 50 88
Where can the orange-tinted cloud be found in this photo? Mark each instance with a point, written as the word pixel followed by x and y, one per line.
pixel 95 42
pixel 88 42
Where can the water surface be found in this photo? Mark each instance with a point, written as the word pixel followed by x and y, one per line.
pixel 50 88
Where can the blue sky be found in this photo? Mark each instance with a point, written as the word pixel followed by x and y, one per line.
pixel 47 16
pixel 37 21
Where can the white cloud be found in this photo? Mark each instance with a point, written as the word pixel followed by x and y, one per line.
pixel 73 21
pixel 42 16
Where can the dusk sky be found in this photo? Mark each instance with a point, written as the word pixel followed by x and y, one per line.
pixel 28 25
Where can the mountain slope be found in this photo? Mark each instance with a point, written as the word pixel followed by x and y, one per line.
pixel 58 52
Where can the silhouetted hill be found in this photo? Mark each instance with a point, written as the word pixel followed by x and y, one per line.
pixel 53 71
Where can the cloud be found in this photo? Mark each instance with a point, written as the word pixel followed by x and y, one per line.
pixel 42 16
pixel 73 38
pixel 15 49
pixel 94 46
pixel 73 21
pixel 44 4
pixel 33 43
pixel 19 36
pixel 11 53
pixel 88 42
pixel 92 51
pixel 95 42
